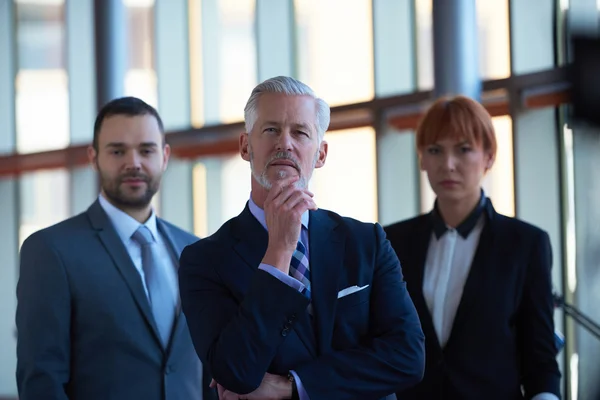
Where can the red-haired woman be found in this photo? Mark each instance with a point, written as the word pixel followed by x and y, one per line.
pixel 480 281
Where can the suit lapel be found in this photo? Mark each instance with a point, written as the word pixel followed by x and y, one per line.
pixel 326 247
pixel 252 239
pixel 117 251
pixel 421 244
pixel 478 273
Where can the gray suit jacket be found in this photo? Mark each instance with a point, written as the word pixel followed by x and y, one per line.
pixel 84 325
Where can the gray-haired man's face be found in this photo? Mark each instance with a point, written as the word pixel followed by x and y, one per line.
pixel 284 140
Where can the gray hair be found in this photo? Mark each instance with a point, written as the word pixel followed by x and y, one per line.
pixel 288 86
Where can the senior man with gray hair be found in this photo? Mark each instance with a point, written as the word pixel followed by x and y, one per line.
pixel 290 301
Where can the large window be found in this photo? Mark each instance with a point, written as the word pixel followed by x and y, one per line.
pixel 237 57
pixel 347 183
pixel 222 59
pixel 493 40
pixel 42 98
pixel 140 78
pixel 38 209
pixel 221 188
pixel 336 59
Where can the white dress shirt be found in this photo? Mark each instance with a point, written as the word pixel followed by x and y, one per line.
pixel 126 226
pixel 447 266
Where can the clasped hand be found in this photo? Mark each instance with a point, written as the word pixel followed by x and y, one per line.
pixel 272 387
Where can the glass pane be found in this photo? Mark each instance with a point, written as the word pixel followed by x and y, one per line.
pixel 584 285
pixel 199 189
pixel 237 58
pixel 221 31
pixel 140 77
pixel 351 160
pixel 493 27
pixel 42 98
pixel 336 59
pixel 38 209
pixel 499 183
pixel 235 185
pixel 493 35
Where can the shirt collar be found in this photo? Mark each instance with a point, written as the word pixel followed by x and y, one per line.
pixel 124 224
pixel 259 214
pixel 466 226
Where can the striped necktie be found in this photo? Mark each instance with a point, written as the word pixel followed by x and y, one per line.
pixel 300 270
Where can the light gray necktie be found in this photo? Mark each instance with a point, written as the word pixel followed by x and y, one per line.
pixel 161 299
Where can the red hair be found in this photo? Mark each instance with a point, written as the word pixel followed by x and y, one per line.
pixel 459 118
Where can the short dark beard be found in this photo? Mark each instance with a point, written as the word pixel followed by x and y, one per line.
pixel 115 195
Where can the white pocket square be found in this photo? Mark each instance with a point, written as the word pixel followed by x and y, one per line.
pixel 350 290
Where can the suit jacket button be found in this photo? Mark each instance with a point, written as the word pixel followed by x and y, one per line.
pixel 284 332
pixel 170 369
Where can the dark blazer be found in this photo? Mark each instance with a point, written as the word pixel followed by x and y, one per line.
pixel 85 328
pixel 245 322
pixel 503 332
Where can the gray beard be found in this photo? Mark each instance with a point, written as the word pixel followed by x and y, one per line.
pixel 263 181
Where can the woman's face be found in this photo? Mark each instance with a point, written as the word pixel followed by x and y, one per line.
pixel 455 168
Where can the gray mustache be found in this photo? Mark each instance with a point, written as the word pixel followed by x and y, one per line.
pixel 284 155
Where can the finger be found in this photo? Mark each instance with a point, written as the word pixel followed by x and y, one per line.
pixel 284 196
pixel 297 199
pixel 213 384
pixel 279 186
pixel 228 395
pixel 221 390
pixel 303 205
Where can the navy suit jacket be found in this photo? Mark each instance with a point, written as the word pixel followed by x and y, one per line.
pixel 84 326
pixel 502 339
pixel 244 322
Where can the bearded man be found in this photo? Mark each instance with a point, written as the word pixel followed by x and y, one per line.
pixel 290 301
pixel 98 312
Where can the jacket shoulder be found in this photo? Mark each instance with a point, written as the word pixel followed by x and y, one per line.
pixel 223 237
pixel 63 231
pixel 406 226
pixel 181 233
pixel 515 227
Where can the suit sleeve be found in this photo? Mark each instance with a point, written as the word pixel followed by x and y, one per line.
pixel 236 341
pixel 391 359
pixel 540 369
pixel 43 323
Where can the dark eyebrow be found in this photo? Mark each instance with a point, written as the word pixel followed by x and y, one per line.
pixel 120 145
pixel 115 144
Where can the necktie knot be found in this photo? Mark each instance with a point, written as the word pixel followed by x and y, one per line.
pixel 143 235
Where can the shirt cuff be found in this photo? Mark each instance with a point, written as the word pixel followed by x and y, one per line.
pixel 301 392
pixel 288 280
pixel 545 396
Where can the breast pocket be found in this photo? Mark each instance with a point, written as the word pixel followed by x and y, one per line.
pixel 351 319
pixel 354 299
